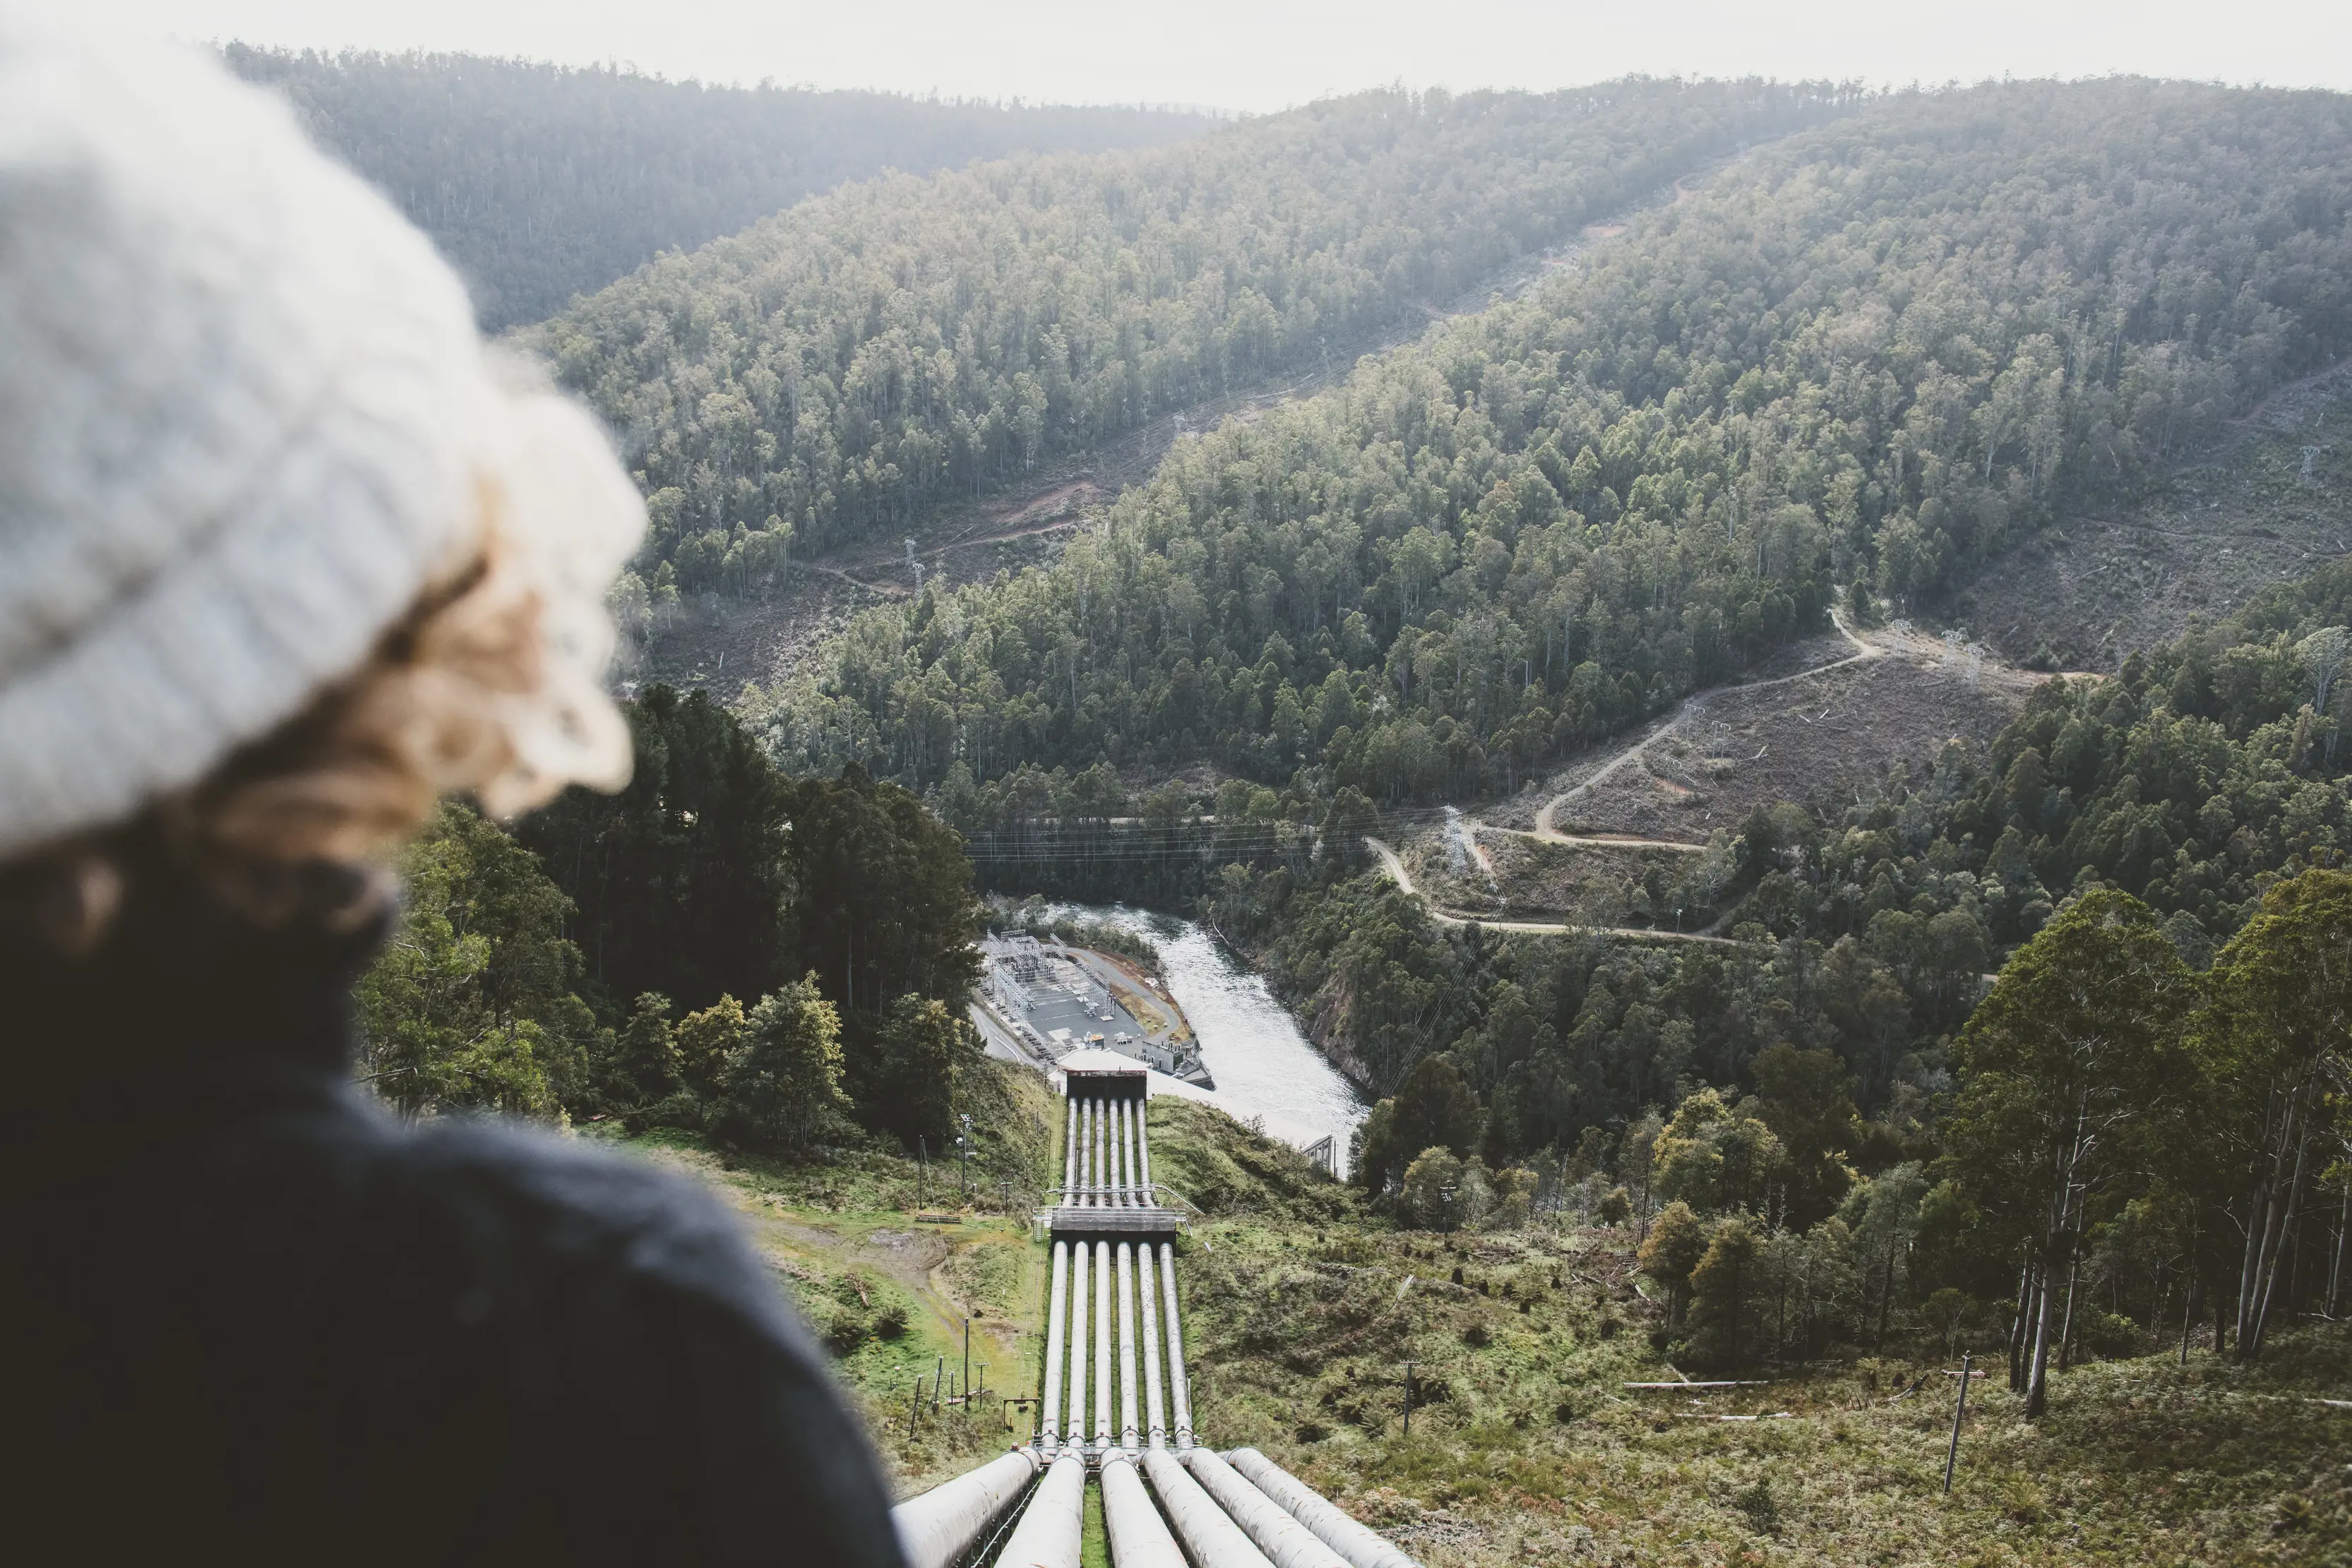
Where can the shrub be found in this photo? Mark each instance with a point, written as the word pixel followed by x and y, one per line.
pixel 891 1321
pixel 2107 1335
pixel 844 1333
pixel 1763 1513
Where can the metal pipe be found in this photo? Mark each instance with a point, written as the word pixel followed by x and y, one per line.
pixel 1050 1528
pixel 1125 1156
pixel 1155 1424
pixel 1117 1153
pixel 1056 1319
pixel 1087 1156
pixel 1179 1390
pixel 1285 1542
pixel 1118 1147
pixel 1129 1437
pixel 1094 1119
pixel 937 1528
pixel 1070 1150
pixel 1210 1539
pixel 1076 1419
pixel 1143 1143
pixel 1135 1162
pixel 1102 1345
pixel 1359 1546
pixel 1139 1537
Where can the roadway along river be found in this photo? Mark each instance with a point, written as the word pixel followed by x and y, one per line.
pixel 1263 1066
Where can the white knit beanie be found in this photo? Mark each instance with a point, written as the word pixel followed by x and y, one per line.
pixel 245 418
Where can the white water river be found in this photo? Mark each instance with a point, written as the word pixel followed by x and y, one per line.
pixel 1265 1069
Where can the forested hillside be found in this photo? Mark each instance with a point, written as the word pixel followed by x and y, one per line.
pixel 1875 353
pixel 2146 1104
pixel 906 343
pixel 542 182
pixel 2191 782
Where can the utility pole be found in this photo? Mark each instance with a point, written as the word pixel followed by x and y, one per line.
pixel 1952 1455
pixel 967 1364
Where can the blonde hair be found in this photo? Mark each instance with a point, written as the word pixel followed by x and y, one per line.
pixel 433 711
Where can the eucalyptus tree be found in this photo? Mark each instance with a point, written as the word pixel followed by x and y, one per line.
pixel 2068 1071
pixel 2279 1061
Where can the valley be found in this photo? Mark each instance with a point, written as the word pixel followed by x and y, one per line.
pixel 1725 698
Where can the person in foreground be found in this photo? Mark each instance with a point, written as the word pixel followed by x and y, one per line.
pixel 285 556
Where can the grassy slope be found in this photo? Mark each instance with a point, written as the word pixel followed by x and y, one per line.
pixel 829 1229
pixel 1299 1322
pixel 1526 1449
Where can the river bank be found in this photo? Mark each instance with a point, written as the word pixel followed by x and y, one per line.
pixel 1267 1073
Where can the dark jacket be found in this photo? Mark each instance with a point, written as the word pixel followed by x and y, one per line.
pixel 247 1317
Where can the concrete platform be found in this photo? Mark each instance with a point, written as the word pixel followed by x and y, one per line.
pixel 1069 1222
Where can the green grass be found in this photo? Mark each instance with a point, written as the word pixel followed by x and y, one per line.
pixel 1093 1538
pixel 1527 1449
pixel 840 1234
pixel 1223 1168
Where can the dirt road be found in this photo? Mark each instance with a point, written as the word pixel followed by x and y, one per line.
pixel 1403 879
pixel 1691 707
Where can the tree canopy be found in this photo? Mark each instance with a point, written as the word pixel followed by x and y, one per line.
pixel 543 182
pixel 903 344
pixel 1879 349
pixel 788 920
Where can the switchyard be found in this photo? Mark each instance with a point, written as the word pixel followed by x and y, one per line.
pixel 1114 1332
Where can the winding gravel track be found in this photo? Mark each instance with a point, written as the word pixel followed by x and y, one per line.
pixel 1691 706
pixel 1403 879
pixel 1544 832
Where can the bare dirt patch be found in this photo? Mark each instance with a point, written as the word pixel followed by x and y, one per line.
pixel 1803 741
pixel 2088 592
pixel 724 646
pixel 1584 884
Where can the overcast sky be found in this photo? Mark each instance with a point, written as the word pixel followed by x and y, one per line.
pixel 1260 55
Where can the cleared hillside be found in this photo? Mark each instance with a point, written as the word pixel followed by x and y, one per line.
pixel 2269 502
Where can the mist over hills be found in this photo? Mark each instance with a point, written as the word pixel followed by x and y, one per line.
pixel 541 182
